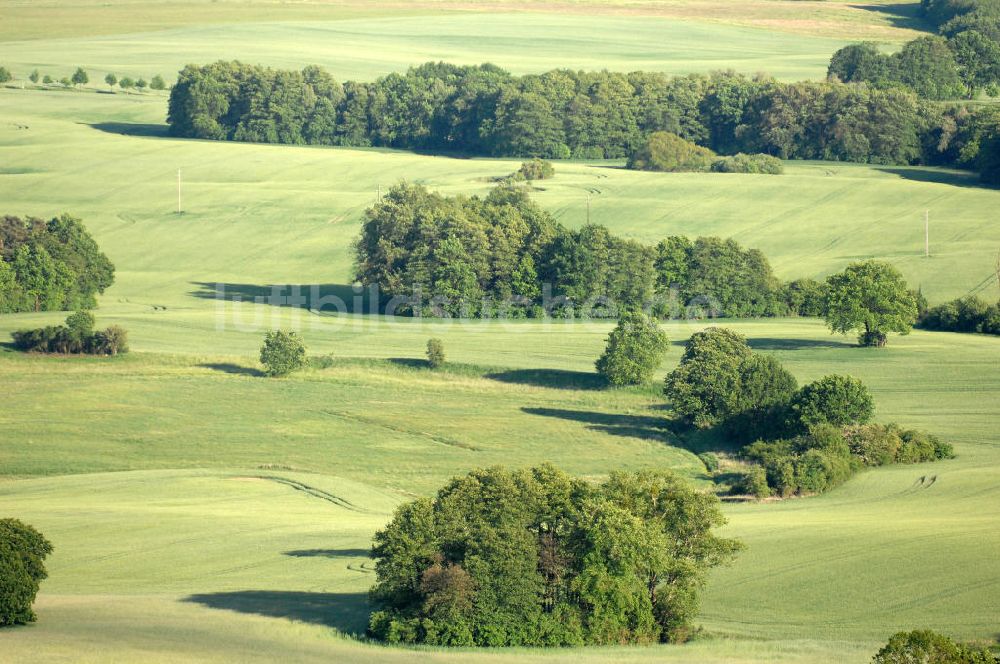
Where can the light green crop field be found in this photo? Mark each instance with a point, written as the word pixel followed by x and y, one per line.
pixel 203 513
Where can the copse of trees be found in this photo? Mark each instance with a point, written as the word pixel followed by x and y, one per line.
pixel 50 265
pixel 666 152
pixel 75 337
pixel 484 110
pixel 22 567
pixel 501 255
pixel 871 298
pixel 537 558
pixel 634 350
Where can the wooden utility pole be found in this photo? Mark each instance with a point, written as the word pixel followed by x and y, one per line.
pixel 927 233
pixel 178 191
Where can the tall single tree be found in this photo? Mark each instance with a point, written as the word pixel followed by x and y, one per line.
pixel 634 351
pixel 872 298
pixel 111 80
pixel 80 77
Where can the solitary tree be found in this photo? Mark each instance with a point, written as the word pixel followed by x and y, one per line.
pixel 34 76
pixel 870 297
pixel 282 353
pixel 634 351
pixel 22 554
pixel 111 80
pixel 157 83
pixel 435 353
pixel 80 77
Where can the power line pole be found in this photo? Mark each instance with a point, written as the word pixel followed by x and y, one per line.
pixel 178 191
pixel 378 193
pixel 927 234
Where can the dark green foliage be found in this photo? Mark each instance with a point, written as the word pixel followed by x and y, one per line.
pixel 805 297
pixel 663 151
pixel 76 336
pixel 811 463
pixel 587 115
pixel 56 265
pixel 435 353
pixel 731 281
pixel 157 83
pixel 857 63
pixel 5 75
pixel 22 555
pixel 35 76
pixel 749 163
pixel 721 381
pixel 634 350
pixel 282 353
pixel 141 83
pixel 880 444
pixel 923 645
pixel 988 158
pixel 111 80
pixel 833 399
pixel 537 558
pixel 966 314
pixel 753 482
pixel 536 169
pixel 870 297
pixel 126 83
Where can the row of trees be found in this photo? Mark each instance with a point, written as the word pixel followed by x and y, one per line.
pixel 50 265
pixel 503 255
pixel 560 114
pixel 81 77
pixel 538 558
pixel 966 314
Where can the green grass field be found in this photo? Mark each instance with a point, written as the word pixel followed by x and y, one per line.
pixel 203 513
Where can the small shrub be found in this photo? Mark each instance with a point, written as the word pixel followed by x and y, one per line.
pixel 536 169
pixel 435 353
pixel 110 341
pixel 282 353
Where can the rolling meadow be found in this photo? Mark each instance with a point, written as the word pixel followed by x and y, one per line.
pixel 202 513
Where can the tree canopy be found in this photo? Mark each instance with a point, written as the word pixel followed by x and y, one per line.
pixel 535 557
pixel 22 567
pixel 634 350
pixel 870 297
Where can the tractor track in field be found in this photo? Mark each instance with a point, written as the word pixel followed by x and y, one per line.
pixel 316 493
pixel 440 440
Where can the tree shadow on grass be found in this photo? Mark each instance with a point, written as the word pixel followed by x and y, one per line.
pixel 904 15
pixel 409 362
pixel 133 129
pixel 769 343
pixel 326 298
pixel 953 178
pixel 645 427
pixel 346 612
pixel 230 368
pixel 552 378
pixel 329 553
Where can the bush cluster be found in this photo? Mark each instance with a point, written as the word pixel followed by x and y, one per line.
pixel 484 110
pixel 663 151
pixel 966 314
pixel 50 265
pixel 749 163
pixel 923 645
pixel 76 336
pixel 538 558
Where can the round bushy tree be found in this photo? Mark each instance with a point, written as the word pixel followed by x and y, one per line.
pixel 22 556
pixel 435 353
pixel 923 645
pixel 870 297
pixel 634 351
pixel 664 151
pixel 834 399
pixel 282 353
pixel 705 388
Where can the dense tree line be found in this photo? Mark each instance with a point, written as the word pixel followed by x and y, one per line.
pixel 963 60
pixel 22 567
pixel 484 110
pixel 801 440
pixel 502 255
pixel 50 265
pixel 966 314
pixel 538 558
